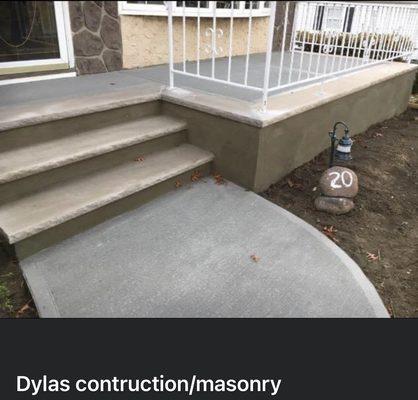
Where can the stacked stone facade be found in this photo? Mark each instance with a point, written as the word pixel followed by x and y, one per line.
pixel 96 36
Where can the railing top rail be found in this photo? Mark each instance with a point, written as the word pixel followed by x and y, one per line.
pixel 355 3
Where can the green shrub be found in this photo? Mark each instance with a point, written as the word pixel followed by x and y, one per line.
pixel 5 302
pixel 355 43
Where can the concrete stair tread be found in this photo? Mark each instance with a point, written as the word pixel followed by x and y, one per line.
pixel 29 160
pixel 61 202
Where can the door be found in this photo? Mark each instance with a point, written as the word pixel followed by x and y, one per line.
pixel 33 37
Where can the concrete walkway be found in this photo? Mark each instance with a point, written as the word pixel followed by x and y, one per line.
pixel 188 254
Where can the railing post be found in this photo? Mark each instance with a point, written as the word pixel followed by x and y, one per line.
pixel 169 5
pixel 269 49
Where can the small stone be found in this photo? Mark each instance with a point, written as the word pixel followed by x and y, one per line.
pixel 112 60
pixel 89 65
pixel 76 15
pixel 334 205
pixel 87 44
pixel 110 33
pixel 92 15
pixel 339 182
pixel 111 8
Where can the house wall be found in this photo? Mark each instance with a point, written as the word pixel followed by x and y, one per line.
pixel 145 38
pixel 387 22
pixel 96 36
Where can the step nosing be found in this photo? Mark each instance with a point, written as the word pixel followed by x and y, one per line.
pixel 34 169
pixel 101 105
pixel 89 207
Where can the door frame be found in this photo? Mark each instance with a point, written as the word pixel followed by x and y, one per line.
pixel 65 44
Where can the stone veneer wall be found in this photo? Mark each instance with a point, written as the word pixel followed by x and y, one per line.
pixel 96 36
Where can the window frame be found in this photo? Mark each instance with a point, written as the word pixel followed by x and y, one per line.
pixel 126 8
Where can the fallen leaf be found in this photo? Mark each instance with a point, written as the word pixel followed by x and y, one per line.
pixel 219 180
pixel 372 257
pixel 196 175
pixel 178 184
pixel 255 258
pixel 295 185
pixel 330 231
pixel 25 308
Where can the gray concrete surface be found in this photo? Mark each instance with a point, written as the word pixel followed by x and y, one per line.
pixel 18 94
pixel 187 254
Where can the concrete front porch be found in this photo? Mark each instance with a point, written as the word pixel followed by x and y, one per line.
pixel 78 152
pixel 251 147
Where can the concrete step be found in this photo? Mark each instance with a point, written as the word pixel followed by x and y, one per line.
pixel 29 160
pixel 43 131
pixel 38 213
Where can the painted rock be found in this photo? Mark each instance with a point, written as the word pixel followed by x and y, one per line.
pixel 339 182
pixel 334 205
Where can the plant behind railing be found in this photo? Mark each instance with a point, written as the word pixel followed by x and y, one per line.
pixel 375 46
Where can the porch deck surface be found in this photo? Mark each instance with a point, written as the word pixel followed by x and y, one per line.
pixel 111 82
pixel 188 254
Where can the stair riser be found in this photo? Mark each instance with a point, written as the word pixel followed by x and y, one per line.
pixel 67 229
pixel 30 135
pixel 18 188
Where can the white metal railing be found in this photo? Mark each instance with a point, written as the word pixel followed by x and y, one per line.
pixel 326 39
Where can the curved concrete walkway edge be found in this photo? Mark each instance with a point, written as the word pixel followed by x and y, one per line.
pixel 188 254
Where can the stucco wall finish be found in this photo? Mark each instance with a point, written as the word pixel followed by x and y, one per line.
pixel 145 38
pixel 256 157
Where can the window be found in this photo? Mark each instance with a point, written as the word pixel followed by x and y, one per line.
pixel 336 18
pixel 206 9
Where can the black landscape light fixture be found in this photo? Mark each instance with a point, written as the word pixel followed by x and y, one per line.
pixel 343 151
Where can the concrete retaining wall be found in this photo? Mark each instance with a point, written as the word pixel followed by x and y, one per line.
pixel 256 157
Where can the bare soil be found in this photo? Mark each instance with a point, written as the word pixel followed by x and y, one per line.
pixel 15 298
pixel 381 233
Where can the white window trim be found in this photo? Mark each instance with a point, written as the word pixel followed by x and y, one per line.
pixel 126 8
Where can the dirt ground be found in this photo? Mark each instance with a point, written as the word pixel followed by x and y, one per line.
pixel 381 233
pixel 15 299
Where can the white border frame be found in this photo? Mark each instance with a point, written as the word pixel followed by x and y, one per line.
pixel 126 8
pixel 65 43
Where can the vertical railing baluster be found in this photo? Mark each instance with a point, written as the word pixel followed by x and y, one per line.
pixel 304 24
pixel 170 43
pixel 269 49
pixel 198 39
pixel 184 36
pixel 392 43
pixel 384 53
pixel 283 47
pixel 299 5
pixel 247 59
pixel 231 33
pixel 213 37
pixel 312 43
